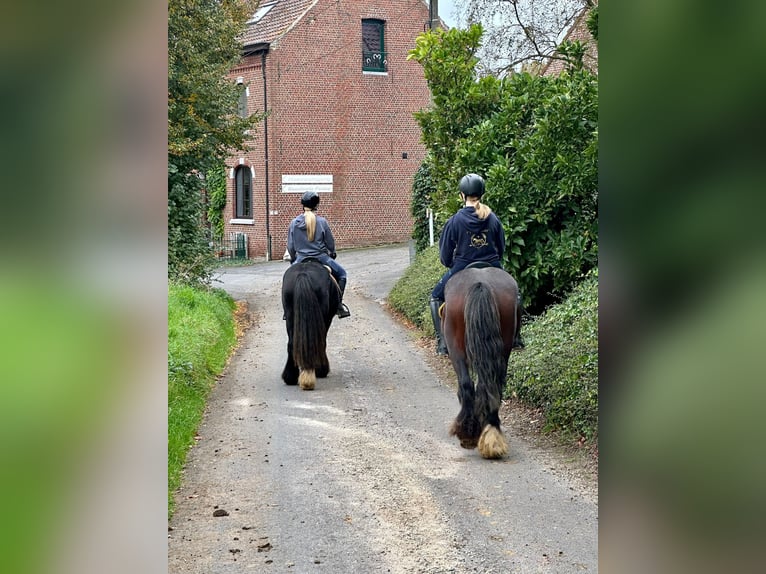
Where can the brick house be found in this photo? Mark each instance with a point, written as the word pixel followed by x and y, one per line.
pixel 340 96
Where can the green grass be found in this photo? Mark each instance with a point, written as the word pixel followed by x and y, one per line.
pixel 201 337
pixel 558 370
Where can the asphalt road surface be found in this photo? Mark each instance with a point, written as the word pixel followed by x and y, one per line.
pixel 360 475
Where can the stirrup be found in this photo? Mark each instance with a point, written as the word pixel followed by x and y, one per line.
pixel 343 311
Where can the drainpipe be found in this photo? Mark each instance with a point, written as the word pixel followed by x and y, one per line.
pixel 433 13
pixel 266 156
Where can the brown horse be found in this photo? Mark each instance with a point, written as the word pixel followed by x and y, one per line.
pixel 481 320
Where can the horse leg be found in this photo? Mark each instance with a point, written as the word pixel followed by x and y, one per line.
pixel 492 442
pixel 324 368
pixel 290 372
pixel 466 426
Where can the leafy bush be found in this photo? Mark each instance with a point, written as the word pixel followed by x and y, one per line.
pixel 412 291
pixel 189 257
pixel 216 193
pixel 558 370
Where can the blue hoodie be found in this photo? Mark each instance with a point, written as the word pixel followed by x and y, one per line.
pixel 298 244
pixel 466 239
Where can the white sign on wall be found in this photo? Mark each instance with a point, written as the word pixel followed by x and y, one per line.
pixel 321 183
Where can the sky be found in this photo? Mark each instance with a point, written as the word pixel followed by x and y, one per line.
pixel 446 11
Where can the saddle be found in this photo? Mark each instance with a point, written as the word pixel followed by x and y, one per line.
pixel 329 269
pixel 478 265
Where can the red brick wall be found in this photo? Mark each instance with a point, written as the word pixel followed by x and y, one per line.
pixel 328 117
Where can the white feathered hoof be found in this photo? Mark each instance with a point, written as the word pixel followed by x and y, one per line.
pixel 492 443
pixel 307 380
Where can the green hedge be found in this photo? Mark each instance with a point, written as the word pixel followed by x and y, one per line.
pixel 411 293
pixel 558 370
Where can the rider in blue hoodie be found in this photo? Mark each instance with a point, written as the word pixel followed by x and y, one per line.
pixel 309 235
pixel 473 234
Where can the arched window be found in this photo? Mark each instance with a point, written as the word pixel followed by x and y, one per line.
pixel 244 185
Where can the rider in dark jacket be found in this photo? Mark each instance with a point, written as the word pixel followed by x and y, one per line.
pixel 309 235
pixel 473 234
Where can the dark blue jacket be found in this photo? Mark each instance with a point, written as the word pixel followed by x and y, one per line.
pixel 466 239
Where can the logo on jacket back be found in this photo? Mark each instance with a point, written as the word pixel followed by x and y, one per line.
pixel 479 240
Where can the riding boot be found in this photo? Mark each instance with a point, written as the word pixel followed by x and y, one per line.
pixel 518 342
pixel 441 347
pixel 343 311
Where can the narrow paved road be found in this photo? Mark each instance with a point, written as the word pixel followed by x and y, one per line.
pixel 360 475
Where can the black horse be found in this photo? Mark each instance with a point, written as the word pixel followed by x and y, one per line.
pixel 480 321
pixel 310 299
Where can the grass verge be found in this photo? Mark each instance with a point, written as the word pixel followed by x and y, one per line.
pixel 201 336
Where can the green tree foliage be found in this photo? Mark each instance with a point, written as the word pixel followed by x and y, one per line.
pixel 459 102
pixel 592 22
pixel 203 126
pixel 535 140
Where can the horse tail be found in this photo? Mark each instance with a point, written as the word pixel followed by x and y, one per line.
pixel 484 351
pixel 309 335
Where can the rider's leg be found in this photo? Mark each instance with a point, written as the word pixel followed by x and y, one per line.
pixel 341 277
pixel 437 298
pixel 518 342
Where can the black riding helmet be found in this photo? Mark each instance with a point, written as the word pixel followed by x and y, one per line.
pixel 310 199
pixel 472 185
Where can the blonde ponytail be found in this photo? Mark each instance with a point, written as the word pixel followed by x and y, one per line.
pixel 482 211
pixel 311 222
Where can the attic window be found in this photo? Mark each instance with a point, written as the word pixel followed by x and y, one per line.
pixel 374 57
pixel 261 12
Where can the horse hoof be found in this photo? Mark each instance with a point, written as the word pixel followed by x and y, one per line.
pixel 307 380
pixel 469 443
pixel 492 443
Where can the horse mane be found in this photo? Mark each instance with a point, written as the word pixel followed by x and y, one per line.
pixel 311 222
